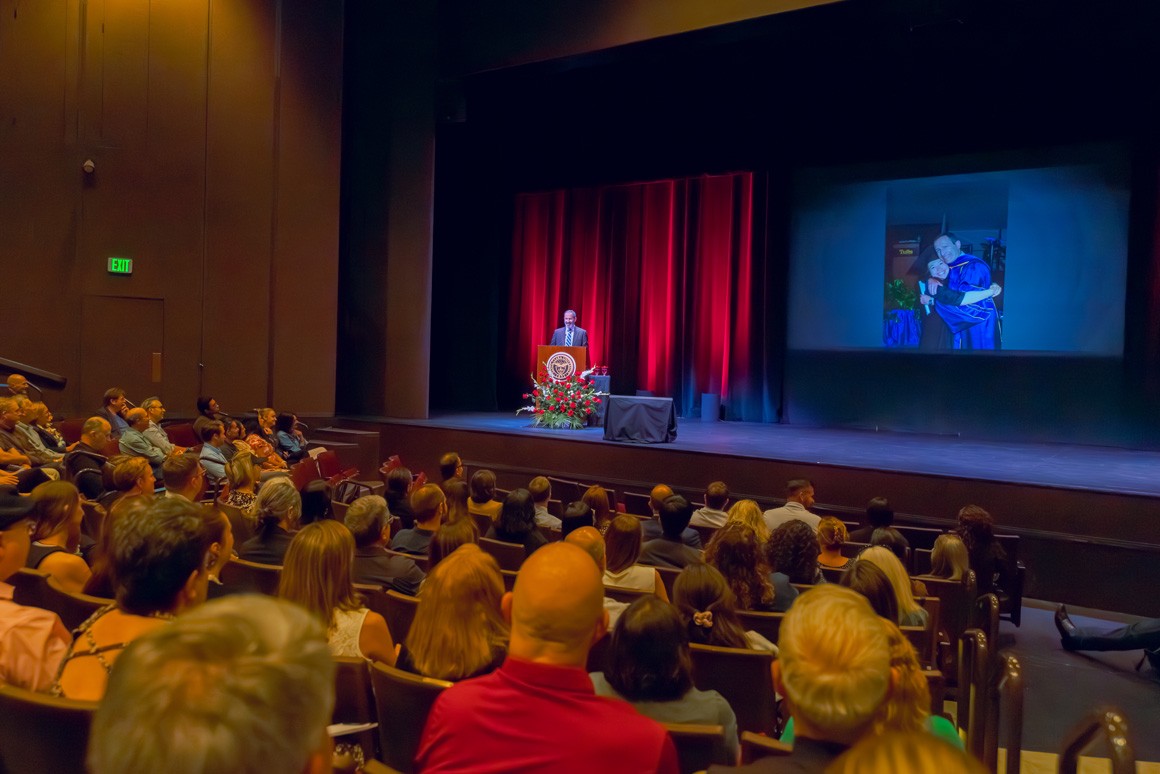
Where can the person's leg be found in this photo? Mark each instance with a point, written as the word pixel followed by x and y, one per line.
pixel 1143 635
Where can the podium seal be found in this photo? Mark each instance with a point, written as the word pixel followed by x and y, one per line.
pixel 561 365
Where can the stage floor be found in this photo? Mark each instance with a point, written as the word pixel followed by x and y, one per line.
pixel 1064 466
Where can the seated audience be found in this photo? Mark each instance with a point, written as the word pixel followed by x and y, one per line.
pixel 591 542
pixel 597 499
pixel 905 753
pixel 892 539
pixel 576 515
pixel 833 669
pixel 872 583
pixel 879 514
pixel 793 551
pixel 161 557
pixel 987 557
pixel 709 612
pixel 540 706
pixel 458 495
pixel 622 549
pixel 799 496
pixel 40 418
pixel 398 493
pixel 668 550
pixel 213 457
pixel 831 538
pixel 449 537
pixel 516 522
pixel 450 467
pixel 291 442
pixel 57 536
pixel 650 667
pixel 84 464
pixel 22 463
pixel 910 613
pixel 316 575
pixel 135 443
pixel 482 501
pixel 32 641
pixel 652 527
pixel 713 513
pixel 277 514
pixel 29 439
pixel 369 522
pixel 243 684
pixel 737 555
pixel 183 477
pixel 429 506
pixel 949 558
pixel 243 473
pixel 112 410
pixel 749 513
pixel 459 630
pixel 315 502
pixel 155 432
pixel 541 490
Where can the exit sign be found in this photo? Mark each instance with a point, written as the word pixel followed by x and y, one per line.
pixel 120 266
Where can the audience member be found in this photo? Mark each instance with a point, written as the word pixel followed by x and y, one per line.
pixel 84 464
pixel 650 667
pixel 243 474
pixel 576 515
pixel 879 514
pixel 398 493
pixel 517 522
pixel 872 583
pixel 555 615
pixel 241 685
pixel 112 410
pixel 949 558
pixel 910 613
pixel 131 477
pixel 652 527
pixel 709 612
pixel 597 499
pixel 29 439
pixel 316 574
pixel 833 669
pixel 987 557
pixel 450 467
pixel 156 434
pixel 737 555
pixel 100 583
pixel 17 385
pixel 28 471
pixel 429 506
pixel 291 442
pixel 749 513
pixel 668 550
pixel 277 514
pixel 482 501
pixel 892 540
pixel 213 457
pixel 1143 634
pixel 32 641
pixel 713 513
pixel 905 753
pixel 622 549
pixel 458 495
pixel 799 496
pixel 161 557
pixel 183 477
pixel 541 490
pixel 315 502
pixel 56 537
pixel 591 542
pixel 369 522
pixel 41 420
pixel 459 630
pixel 134 442
pixel 208 411
pixel 449 537
pixel 264 426
pixel 793 551
pixel 831 538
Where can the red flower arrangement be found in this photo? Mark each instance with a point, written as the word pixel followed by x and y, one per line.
pixel 563 403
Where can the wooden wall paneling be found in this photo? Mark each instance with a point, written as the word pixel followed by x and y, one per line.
pixel 239 203
pixel 109 358
pixel 308 140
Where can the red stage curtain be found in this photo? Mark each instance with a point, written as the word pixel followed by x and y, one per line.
pixel 668 278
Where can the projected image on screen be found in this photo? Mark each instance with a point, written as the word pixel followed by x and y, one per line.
pixel 997 259
pixel 943 286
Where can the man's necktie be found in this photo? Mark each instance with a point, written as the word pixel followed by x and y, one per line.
pixel 568 339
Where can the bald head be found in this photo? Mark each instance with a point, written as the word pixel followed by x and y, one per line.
pixel 590 541
pixel 95 432
pixel 137 418
pixel 660 493
pixel 557 607
pixel 17 384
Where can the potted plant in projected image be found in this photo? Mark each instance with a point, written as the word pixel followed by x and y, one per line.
pixel 562 403
pixel 900 325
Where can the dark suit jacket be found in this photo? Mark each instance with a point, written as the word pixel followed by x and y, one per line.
pixel 664 552
pixel 652 531
pixel 266 549
pixel 373 566
pixel 579 337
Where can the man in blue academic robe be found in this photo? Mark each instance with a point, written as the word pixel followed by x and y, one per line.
pixel 974 326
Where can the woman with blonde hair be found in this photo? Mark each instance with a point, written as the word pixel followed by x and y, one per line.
pixel 949 558
pixel 597 499
pixel 243 473
pixel 749 513
pixel 278 513
pixel 316 575
pixel 459 631
pixel 832 536
pixel 910 613
pixel 57 534
pixel 622 543
pixel 905 753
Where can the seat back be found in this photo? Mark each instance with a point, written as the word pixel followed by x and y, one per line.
pixel 329 466
pixel 375 599
pixel 974 657
pixel 418 559
pixel 509 579
pixel 43 733
pixel 851 550
pixel 482 523
pixel 242 577
pixel 73 607
pixel 403 701
pixel 627 596
pixel 564 490
pixel 303 472
pixel 698 747
pixel 399 612
pixel 922 561
pixel 354 702
pixel 832 574
pixel 509 555
pixel 768 625
pixel 70 429
pixel 744 678
pixel 669 577
pixel 1109 723
pixel 637 504
pixel 30 587
pixel 920 537
pixel 756 746
pixel 181 434
pixel 706 533
pixel 956 603
pixel 339 510
pixel 240 524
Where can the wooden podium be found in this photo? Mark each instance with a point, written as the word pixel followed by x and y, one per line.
pixel 556 368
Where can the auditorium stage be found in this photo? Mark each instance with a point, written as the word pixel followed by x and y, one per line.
pixel 1081 510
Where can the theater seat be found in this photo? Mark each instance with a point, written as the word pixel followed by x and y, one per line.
pixel 510 556
pixel 698 747
pixel 43 733
pixel 399 612
pixel 744 677
pixel 755 746
pixel 242 577
pixel 403 701
pixel 627 596
pixel 240 524
pixel 354 702
pixel 768 625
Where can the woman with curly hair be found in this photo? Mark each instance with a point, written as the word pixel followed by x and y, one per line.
pixel 707 608
pixel 749 513
pixel 987 557
pixel 793 551
pixel 736 553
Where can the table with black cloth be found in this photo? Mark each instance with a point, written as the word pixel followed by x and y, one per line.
pixel 630 419
pixel 602 384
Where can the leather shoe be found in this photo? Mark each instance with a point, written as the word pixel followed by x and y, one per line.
pixel 1063 623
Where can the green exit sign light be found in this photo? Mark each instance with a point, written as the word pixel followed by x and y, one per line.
pixel 120 266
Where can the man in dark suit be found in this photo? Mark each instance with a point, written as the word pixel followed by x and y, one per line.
pixel 652 529
pixel 569 335
pixel 369 521
pixel 668 550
